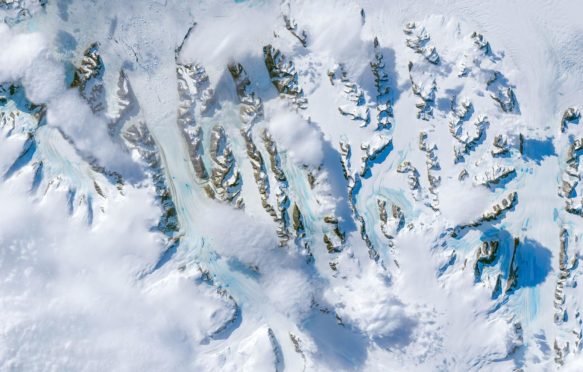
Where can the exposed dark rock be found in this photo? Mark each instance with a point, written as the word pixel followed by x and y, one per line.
pixel 284 76
pixel 571 115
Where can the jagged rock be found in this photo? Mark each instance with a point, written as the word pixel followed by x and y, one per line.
pixel 372 150
pixel 262 181
pixel 458 116
pixel 501 146
pixel 251 109
pixel 331 219
pixel 284 76
pixel 138 138
pixel 225 177
pixel 574 206
pixel 283 220
pixel 196 153
pixel 481 43
pixel 575 147
pixel 463 109
pixel 485 255
pixel 357 109
pixel 505 99
pixel 426 90
pixel 296 342
pixel 345 154
pixel 467 141
pixel 493 213
pixel 561 350
pixel 432 162
pixel 282 192
pixel 413 174
pixel 434 182
pixel 418 40
pixel 390 226
pixel 463 175
pixel 568 184
pixel 88 78
pixel 423 141
pixel 497 287
pixel 494 175
pixel 383 98
pixel 571 115
pixel 298 221
pixel 311 180
pixel 497 209
pixel 501 92
pixel 571 177
pixel 123 107
pixel 512 280
pixel 462 69
pixel 372 251
pixel 91 66
pixel 405 167
pixel 564 272
pixel 44 151
pixel 274 158
pixel 517 338
pixel 17 113
pixel 193 91
pixel 353 183
pixel 333 265
pixel 430 53
pixel 333 246
pixel 338 235
pixel 292 26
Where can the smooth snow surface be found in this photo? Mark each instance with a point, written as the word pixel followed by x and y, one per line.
pixel 261 185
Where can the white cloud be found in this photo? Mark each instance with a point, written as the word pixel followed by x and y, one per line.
pixel 44 80
pixel 17 52
pixel 461 203
pixel 301 140
pixel 23 57
pixel 72 114
pixel 249 240
pixel 290 291
pixel 70 298
pixel 230 33
pixel 334 30
pixel 254 243
pixel 367 302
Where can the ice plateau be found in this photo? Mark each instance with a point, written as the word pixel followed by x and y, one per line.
pixel 291 185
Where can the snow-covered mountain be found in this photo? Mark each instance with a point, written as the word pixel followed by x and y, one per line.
pixel 291 185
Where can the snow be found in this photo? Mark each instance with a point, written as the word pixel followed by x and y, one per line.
pixel 302 276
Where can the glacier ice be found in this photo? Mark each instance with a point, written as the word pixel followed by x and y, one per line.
pixel 290 185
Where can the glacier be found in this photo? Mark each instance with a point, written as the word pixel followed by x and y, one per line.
pixel 291 185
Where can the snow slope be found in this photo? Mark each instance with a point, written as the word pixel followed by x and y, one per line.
pixel 290 185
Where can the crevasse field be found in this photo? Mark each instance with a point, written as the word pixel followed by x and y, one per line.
pixel 364 185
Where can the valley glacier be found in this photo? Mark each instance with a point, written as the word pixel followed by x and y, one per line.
pixel 291 185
